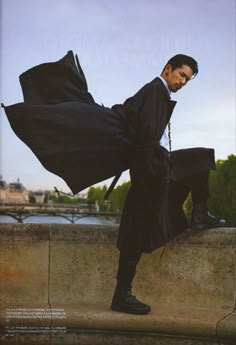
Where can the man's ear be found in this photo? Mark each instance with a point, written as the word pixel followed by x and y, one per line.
pixel 168 68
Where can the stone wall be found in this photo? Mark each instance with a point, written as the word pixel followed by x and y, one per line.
pixel 57 281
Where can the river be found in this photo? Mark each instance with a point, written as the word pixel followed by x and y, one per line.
pixel 58 220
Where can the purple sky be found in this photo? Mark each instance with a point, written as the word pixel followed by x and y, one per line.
pixel 123 45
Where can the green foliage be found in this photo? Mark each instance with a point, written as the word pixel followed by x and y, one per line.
pixel 118 196
pixel 32 199
pixel 222 185
pixel 63 199
pixel 92 195
pixel 116 199
pixel 46 198
pixel 223 190
pixel 96 194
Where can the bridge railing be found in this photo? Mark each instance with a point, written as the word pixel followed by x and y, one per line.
pixel 72 213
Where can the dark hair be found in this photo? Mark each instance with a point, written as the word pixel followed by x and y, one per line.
pixel 180 59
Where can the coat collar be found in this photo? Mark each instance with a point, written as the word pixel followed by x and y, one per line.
pixel 166 85
pixel 163 87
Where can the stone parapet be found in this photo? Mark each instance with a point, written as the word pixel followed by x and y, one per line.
pixel 57 281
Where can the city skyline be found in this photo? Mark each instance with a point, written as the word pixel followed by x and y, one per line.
pixel 122 46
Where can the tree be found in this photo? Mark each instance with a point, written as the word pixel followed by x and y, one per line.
pixel 223 190
pixel 116 199
pixel 91 195
pixel 97 194
pixel 118 196
pixel 62 199
pixel 222 185
pixel 32 199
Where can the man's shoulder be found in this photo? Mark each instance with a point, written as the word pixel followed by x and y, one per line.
pixel 155 85
pixel 160 85
pixel 154 90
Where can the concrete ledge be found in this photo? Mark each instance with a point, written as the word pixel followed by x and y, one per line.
pixel 190 284
pixel 227 326
pixel 84 234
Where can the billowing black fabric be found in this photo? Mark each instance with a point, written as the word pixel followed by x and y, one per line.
pixel 56 82
pixel 72 136
pixel 77 139
pixel 85 143
pixel 81 143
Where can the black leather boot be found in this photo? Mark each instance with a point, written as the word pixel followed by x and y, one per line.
pixel 123 300
pixel 202 219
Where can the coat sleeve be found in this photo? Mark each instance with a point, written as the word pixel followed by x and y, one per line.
pixel 146 112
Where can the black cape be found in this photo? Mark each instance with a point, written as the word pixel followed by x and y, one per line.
pixel 71 135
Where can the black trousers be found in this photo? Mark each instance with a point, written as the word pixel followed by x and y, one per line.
pixel 198 186
pixel 178 192
pixel 153 211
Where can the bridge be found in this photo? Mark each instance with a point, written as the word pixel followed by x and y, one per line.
pixel 72 213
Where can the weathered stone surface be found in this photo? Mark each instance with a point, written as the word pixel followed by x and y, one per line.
pixel 164 319
pixel 226 328
pixel 86 275
pixel 193 275
pixel 24 273
pixel 76 337
pixel 27 339
pixel 190 284
pixel 211 237
pixel 85 337
pixel 15 232
pixel 81 233
pixel 87 234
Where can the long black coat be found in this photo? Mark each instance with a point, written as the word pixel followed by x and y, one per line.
pixel 71 135
pixel 85 143
pixel 145 222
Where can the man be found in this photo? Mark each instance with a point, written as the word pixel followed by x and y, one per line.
pixel 84 143
pixel 160 180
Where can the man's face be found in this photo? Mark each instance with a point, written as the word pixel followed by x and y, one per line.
pixel 178 77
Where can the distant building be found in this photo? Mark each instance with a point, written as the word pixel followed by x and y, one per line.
pixel 3 191
pixel 39 196
pixel 17 194
pixel 13 193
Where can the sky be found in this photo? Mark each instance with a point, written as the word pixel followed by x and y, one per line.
pixel 122 45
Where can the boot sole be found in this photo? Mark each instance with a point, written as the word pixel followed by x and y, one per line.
pixel 129 311
pixel 206 226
